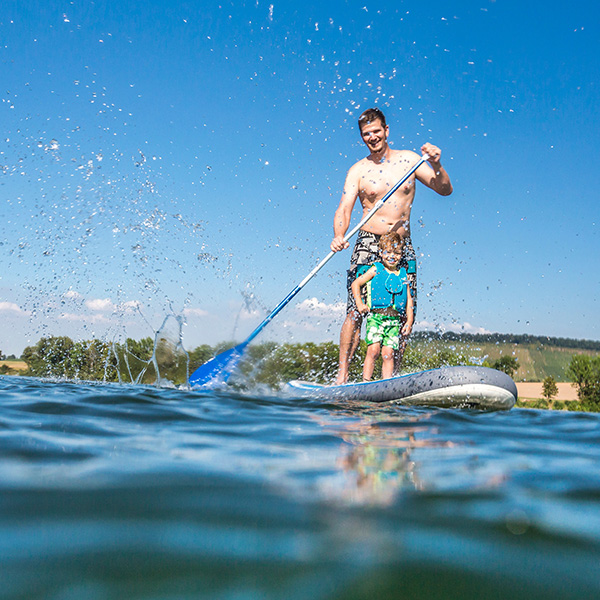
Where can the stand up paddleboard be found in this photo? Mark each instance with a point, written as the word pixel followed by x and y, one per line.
pixel 447 387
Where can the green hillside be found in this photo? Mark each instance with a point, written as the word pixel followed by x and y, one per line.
pixel 536 358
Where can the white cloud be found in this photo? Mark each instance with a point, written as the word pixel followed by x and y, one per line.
pixel 195 312
pixel 465 327
pixel 82 318
pixel 72 295
pixel 100 304
pixel 130 306
pixel 315 308
pixel 13 308
pixel 304 325
pixel 245 313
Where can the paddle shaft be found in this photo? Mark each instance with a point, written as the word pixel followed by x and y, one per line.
pixel 297 289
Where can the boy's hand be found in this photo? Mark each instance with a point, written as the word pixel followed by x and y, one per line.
pixel 363 309
pixel 407 328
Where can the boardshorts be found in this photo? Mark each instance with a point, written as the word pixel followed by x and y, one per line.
pixel 383 329
pixel 366 252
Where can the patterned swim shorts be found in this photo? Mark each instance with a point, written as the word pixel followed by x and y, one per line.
pixel 383 329
pixel 366 252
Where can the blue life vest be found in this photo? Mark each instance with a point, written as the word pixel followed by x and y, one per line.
pixel 387 289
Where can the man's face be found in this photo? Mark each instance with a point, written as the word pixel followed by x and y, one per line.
pixel 374 135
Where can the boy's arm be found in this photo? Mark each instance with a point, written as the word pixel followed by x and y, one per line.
pixel 410 313
pixel 357 284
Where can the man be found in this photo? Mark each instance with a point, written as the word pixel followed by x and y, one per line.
pixel 369 180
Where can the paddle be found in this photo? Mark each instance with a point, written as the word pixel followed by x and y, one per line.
pixel 220 367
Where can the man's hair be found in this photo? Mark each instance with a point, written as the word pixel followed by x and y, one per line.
pixel 370 115
pixel 392 239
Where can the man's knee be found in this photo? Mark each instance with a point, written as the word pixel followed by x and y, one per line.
pixel 354 318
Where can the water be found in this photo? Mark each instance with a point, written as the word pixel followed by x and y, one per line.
pixel 115 491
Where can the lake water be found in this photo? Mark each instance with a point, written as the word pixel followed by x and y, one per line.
pixel 131 492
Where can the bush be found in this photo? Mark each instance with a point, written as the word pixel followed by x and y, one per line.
pixel 506 364
pixel 549 388
pixel 544 404
pixel 61 357
pixel 584 371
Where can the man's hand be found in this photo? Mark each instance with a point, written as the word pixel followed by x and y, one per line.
pixel 339 243
pixel 438 181
pixel 433 152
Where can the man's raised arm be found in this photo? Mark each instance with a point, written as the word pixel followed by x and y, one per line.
pixel 434 176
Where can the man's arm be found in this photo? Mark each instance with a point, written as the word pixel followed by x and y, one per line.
pixel 433 175
pixel 343 214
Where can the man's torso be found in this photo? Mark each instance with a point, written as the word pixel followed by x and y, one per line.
pixel 375 180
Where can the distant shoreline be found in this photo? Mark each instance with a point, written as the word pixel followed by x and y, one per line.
pixel 16 365
pixel 529 390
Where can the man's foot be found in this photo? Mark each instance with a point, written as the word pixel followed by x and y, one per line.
pixel 341 378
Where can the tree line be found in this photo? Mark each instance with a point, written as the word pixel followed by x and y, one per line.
pixel 151 361
pixel 508 338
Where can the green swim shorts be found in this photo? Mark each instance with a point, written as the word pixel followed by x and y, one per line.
pixel 384 329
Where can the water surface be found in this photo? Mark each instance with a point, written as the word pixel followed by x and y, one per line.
pixel 117 491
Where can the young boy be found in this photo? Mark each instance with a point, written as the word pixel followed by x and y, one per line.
pixel 389 305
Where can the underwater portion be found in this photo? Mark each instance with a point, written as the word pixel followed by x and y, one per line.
pixel 130 491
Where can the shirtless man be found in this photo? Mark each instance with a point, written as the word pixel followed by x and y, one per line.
pixel 369 180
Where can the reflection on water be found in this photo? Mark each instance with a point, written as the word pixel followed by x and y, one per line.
pixel 376 456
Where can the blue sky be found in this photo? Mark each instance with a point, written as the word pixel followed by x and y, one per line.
pixel 184 159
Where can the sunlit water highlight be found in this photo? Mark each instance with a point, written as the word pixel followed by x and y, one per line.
pixel 122 491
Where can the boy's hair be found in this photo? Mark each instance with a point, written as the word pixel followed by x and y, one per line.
pixel 391 239
pixel 370 115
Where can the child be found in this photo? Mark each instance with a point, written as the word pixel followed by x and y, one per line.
pixel 389 305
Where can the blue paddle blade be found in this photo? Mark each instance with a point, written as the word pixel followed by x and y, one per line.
pixel 218 369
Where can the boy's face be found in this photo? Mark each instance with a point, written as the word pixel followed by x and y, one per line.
pixel 391 257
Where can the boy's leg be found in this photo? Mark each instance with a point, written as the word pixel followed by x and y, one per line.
pixel 370 358
pixel 387 358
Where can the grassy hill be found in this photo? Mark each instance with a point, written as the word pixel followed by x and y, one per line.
pixel 538 357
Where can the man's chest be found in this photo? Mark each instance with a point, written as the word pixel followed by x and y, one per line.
pixel 375 183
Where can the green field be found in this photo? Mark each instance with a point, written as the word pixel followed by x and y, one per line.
pixel 536 361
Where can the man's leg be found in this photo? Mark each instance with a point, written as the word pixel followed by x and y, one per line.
pixel 349 340
pixel 399 355
pixel 365 252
